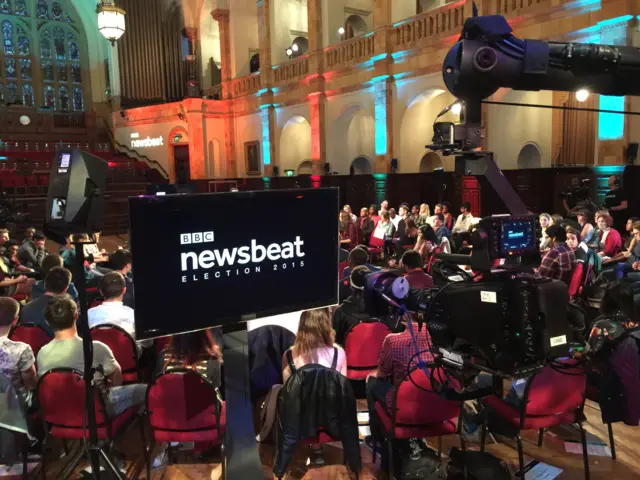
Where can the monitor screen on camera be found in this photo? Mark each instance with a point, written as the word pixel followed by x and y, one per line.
pixel 214 259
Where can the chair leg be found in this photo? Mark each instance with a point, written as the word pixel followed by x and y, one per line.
pixel 540 436
pixel 585 454
pixel 65 446
pixel 483 437
pixel 520 456
pixel 612 441
pixel 440 448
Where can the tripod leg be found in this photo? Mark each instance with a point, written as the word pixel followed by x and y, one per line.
pixel 110 465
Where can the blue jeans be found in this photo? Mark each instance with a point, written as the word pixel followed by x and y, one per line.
pixel 122 398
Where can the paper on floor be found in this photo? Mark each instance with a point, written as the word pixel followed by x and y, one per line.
pixel 363 417
pixel 535 470
pixel 598 450
pixel 15 469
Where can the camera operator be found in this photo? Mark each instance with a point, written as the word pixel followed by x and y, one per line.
pixel 614 345
pixel 616 202
pixel 576 197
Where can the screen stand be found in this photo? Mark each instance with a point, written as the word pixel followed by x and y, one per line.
pixel 240 445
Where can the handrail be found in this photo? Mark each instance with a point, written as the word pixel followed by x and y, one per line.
pixel 350 51
pixel 134 155
pixel 291 70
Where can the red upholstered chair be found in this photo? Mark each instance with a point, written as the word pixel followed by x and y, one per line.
pixel 124 350
pixel 553 396
pixel 376 246
pixel 31 334
pixel 61 396
pixel 341 267
pixel 419 411
pixel 579 278
pixel 432 259
pixel 96 302
pixel 362 346
pixel 182 406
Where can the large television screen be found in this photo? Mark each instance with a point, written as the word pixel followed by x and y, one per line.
pixel 213 259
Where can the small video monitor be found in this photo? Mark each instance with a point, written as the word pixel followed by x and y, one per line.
pixel 205 260
pixel 58 208
pixel 65 160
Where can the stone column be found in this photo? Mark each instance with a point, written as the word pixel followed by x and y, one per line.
pixel 193 82
pixel 268 117
pixel 221 16
pixel 114 79
pixel 197 144
pixel 317 108
pixel 381 13
pixel 314 22
pixel 264 38
pixel 383 113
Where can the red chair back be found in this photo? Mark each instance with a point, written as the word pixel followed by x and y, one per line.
pixel 579 278
pixel 375 242
pixel 61 396
pixel 362 346
pixel 182 401
pixel 31 334
pixel 123 347
pixel 433 259
pixel 423 406
pixel 552 392
pixel 341 267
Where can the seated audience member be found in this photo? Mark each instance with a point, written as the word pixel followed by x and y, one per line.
pixel 315 344
pixel 585 220
pixel 91 273
pixel 33 252
pixel 415 212
pixel 358 256
pixel 4 238
pixel 427 241
pixel 365 226
pixel 16 358
pixel 436 210
pixel 545 222
pixel 373 215
pixel 385 230
pixel 11 259
pixel 557 219
pixel 11 286
pixel 66 351
pixel 443 234
pixel 394 218
pixel 558 262
pixel 614 345
pixel 93 253
pixel 407 239
pixel 52 261
pixel 610 242
pixel 112 310
pixel 352 216
pixel 351 312
pixel 398 349
pixel 463 223
pixel 121 263
pixel 347 230
pixel 629 257
pixel 196 351
pixel 582 251
pixel 422 218
pixel 55 284
pixel 416 277
pixel 448 217
pixel 404 216
pixel 28 235
pixel 384 207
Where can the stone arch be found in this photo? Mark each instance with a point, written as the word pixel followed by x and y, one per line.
pixel 295 143
pixel 361 165
pixel 430 161
pixel 416 127
pixel 354 26
pixel 305 168
pixel 303 46
pixel 530 156
pixel 353 135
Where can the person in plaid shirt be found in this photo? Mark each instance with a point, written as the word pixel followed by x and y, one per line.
pixel 558 263
pixel 397 350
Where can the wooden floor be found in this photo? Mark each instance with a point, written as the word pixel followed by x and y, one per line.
pixel 627 465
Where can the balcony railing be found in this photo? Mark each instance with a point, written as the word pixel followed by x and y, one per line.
pixel 214 92
pixel 350 52
pixel 246 85
pixel 51 146
pixel 443 21
pixel 291 71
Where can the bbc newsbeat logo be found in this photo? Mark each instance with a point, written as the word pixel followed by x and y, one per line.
pixel 200 262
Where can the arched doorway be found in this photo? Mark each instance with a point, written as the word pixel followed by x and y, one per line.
pixel 302 44
pixel 354 26
pixel 361 166
pixel 530 156
pixel 430 162
pixel 305 168
pixel 353 134
pixel 294 144
pixel 179 163
pixel 254 63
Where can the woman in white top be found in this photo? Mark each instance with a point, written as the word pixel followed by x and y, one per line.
pixel 315 345
pixel 545 221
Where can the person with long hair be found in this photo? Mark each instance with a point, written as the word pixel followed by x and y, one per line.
pixel 347 230
pixel 196 351
pixel 585 219
pixel 610 242
pixel 427 241
pixel 373 214
pixel 423 215
pixel 315 344
pixel 545 221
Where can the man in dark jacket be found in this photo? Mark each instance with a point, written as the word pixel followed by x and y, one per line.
pixel 352 311
pixel 33 252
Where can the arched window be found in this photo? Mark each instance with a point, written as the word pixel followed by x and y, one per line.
pixel 42 54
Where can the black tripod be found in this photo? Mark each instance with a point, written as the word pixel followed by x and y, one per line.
pixel 93 449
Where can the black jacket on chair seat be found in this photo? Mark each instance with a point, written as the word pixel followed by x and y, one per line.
pixel 267 345
pixel 316 398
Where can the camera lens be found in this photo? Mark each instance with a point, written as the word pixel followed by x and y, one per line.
pixel 485 59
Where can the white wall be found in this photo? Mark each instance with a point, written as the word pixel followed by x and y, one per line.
pixel 248 129
pixel 209 43
pixel 244 34
pixel 401 9
pixel 510 128
pixel 286 15
pixel 215 133
pixel 295 143
pixel 335 17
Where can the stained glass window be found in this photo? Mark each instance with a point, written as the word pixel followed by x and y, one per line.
pixel 76 73
pixel 27 95
pixel 56 11
pixel 47 70
pixel 58 41
pixel 49 97
pixel 25 69
pixel 45 45
pixel 74 51
pixel 7 37
pixel 21 8
pixel 63 96
pixel 78 104
pixel 61 72
pixel 24 49
pixel 42 9
pixel 10 67
pixel 5 6
pixel 12 93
